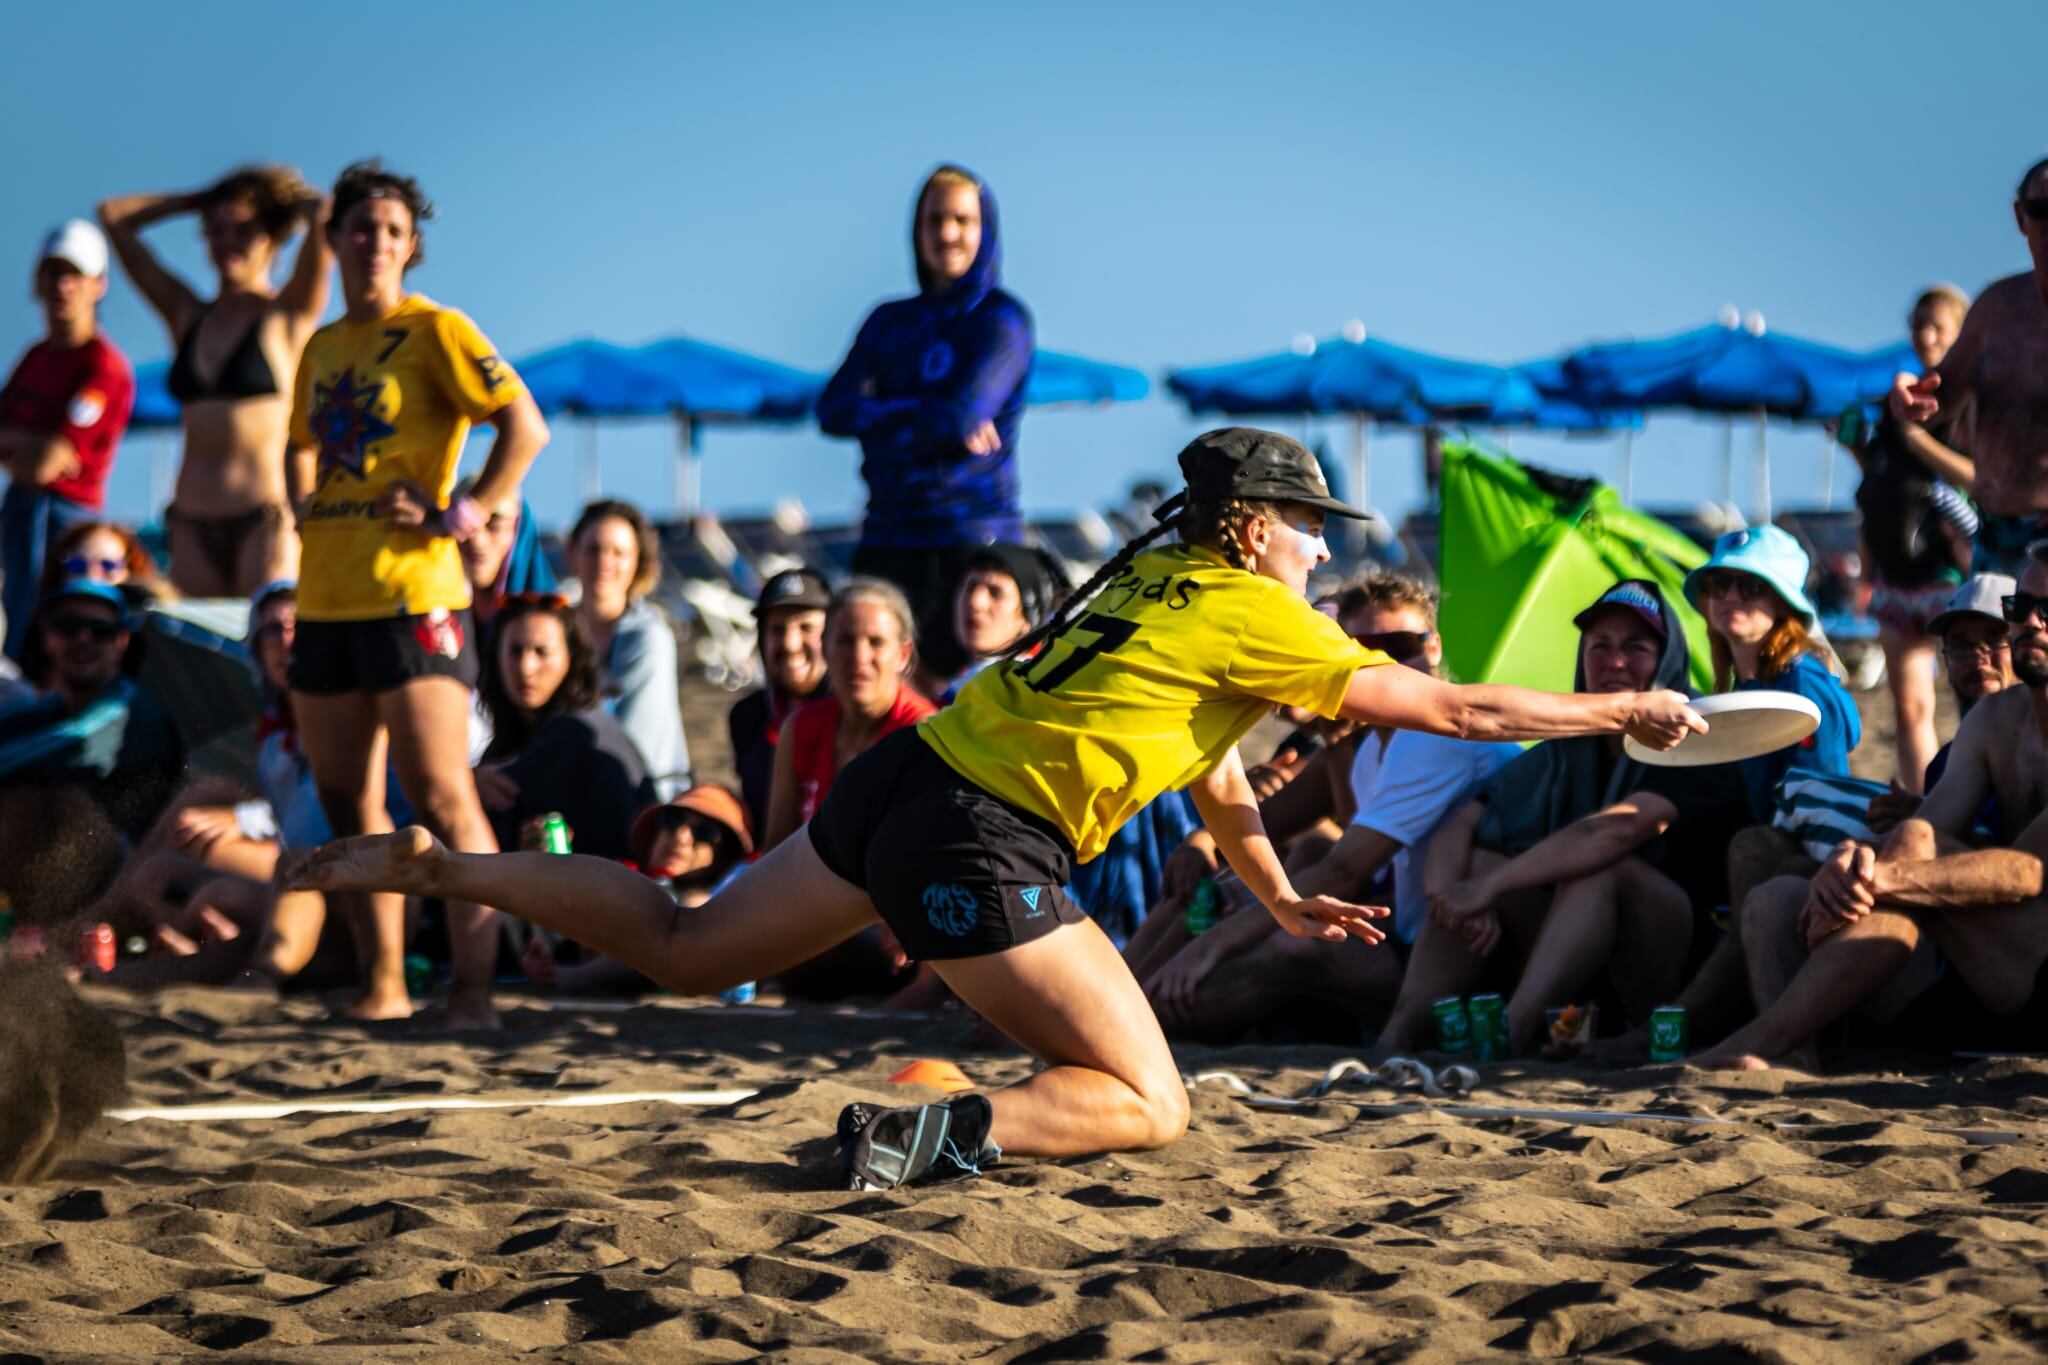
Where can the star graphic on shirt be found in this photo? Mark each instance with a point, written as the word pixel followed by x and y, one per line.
pixel 345 423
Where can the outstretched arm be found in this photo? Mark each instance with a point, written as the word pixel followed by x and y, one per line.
pixel 1409 700
pixel 1231 813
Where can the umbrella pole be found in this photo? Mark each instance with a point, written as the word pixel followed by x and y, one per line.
pixel 1628 467
pixel 1728 464
pixel 1763 467
pixel 686 486
pixel 1361 463
pixel 588 473
pixel 1827 470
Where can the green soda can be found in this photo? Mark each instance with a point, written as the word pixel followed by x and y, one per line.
pixel 1668 1033
pixel 1489 1028
pixel 554 833
pixel 419 974
pixel 1453 1025
pixel 6 918
pixel 1202 908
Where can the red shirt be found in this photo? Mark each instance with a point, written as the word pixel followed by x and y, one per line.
pixel 813 734
pixel 82 393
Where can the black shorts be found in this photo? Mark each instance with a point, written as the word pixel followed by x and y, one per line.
pixel 930 579
pixel 952 870
pixel 333 657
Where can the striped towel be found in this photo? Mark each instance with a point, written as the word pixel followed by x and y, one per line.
pixel 1821 809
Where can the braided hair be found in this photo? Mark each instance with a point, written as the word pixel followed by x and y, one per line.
pixel 1214 524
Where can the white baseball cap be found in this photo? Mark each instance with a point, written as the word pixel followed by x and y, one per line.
pixel 1983 595
pixel 79 243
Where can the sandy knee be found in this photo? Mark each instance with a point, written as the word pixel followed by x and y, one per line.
pixel 1165 1102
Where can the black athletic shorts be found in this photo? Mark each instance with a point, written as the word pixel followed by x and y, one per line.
pixel 952 870
pixel 332 657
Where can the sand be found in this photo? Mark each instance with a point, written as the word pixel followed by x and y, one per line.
pixel 648 1230
pixel 1831 1218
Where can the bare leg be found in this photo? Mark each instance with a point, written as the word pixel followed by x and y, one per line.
pixel 345 744
pixel 1909 665
pixel 1162 934
pixel 1998 949
pixel 428 720
pixel 192 572
pixel 788 908
pixel 1630 919
pixel 290 937
pixel 1110 1082
pixel 1844 970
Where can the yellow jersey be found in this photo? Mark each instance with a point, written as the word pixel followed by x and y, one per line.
pixel 1145 690
pixel 381 402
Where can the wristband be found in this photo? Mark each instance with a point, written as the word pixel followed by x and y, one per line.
pixel 463 518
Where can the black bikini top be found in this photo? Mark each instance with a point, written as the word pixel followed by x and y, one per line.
pixel 246 374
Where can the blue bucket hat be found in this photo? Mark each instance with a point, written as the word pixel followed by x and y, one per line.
pixel 1765 552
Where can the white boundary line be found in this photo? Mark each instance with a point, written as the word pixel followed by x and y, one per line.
pixel 225 1113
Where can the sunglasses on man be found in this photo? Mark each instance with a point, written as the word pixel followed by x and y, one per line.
pixel 2022 607
pixel 97 629
pixel 1396 644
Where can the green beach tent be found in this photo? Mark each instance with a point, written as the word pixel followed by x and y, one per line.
pixel 1523 550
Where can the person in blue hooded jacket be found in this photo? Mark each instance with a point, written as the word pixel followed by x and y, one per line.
pixel 933 389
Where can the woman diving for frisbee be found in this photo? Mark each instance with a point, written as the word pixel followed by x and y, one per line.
pixel 959 834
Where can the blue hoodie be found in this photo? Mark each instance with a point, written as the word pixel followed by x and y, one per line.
pixel 923 374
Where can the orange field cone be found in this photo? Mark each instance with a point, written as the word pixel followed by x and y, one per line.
pixel 939 1075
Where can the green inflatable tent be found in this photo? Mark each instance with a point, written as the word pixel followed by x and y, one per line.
pixel 1524 550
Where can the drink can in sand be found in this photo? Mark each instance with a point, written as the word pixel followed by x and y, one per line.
pixel 554 833
pixel 1668 1033
pixel 1489 1028
pixel 742 994
pixel 97 951
pixel 419 974
pixel 1453 1025
pixel 1203 907
pixel 6 918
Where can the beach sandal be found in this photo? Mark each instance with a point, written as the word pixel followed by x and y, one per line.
pixel 923 1144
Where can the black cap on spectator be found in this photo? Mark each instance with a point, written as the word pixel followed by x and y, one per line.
pixel 805 588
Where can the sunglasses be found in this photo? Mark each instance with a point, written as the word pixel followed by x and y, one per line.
pixel 1746 586
pixel 1960 649
pixel 78 566
pixel 2035 208
pixel 1396 644
pixel 2022 607
pixel 71 627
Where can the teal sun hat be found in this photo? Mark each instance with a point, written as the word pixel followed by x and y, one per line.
pixel 1767 552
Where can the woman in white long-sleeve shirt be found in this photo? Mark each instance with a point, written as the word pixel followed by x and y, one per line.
pixel 618 562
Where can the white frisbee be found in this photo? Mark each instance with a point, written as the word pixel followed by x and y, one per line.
pixel 1739 725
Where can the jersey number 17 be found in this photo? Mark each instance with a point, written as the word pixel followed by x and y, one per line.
pixel 1110 632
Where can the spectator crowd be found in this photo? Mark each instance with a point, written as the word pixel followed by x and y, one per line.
pixel 417 661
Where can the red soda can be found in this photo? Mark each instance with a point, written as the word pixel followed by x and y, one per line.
pixel 97 951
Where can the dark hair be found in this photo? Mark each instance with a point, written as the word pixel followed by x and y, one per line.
pixel 364 180
pixel 579 689
pixel 276 193
pixel 647 572
pixel 2032 171
pixel 1213 524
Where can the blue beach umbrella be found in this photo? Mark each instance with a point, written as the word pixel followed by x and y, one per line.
pixel 1732 368
pixel 1060 378
pixel 155 409
pixel 1361 376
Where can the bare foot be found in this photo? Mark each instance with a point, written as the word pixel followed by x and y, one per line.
pixel 407 861
pixel 1728 1061
pixel 378 1005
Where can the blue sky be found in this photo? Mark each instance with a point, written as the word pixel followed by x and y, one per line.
pixel 1179 184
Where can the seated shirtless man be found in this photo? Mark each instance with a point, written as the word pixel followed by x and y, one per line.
pixel 1848 938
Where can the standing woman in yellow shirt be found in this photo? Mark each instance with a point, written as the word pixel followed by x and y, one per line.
pixel 385 655
pixel 959 834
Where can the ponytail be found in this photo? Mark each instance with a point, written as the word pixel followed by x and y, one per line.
pixel 1213 525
